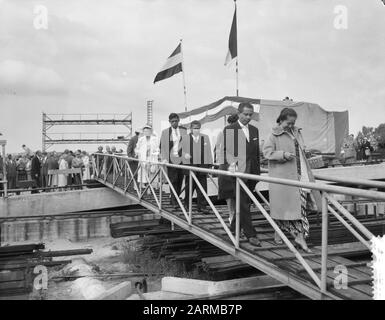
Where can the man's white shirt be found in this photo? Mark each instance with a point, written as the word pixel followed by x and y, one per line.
pixel 196 138
pixel 245 129
pixel 175 135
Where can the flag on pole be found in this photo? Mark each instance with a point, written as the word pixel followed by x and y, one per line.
pixel 233 43
pixel 172 66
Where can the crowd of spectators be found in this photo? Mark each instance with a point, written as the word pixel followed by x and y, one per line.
pixel 30 169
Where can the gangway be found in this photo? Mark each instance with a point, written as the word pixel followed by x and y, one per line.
pixel 312 274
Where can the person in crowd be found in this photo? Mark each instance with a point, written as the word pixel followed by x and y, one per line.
pixel 366 149
pixel 99 160
pixel 63 165
pixel 147 149
pixel 52 164
pixel 357 148
pixel 241 154
pixel 284 150
pixel 171 152
pixel 10 165
pixel 132 144
pixel 196 152
pixel 44 170
pixel 27 151
pixel 108 161
pixel 28 167
pixel 36 170
pixel 21 166
pixel 218 157
pixel 131 152
pixel 77 163
pixel 69 158
pixel 1 171
pixel 86 166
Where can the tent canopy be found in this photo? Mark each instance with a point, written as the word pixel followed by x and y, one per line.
pixel 322 130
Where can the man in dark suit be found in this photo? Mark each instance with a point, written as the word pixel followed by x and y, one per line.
pixel 241 154
pixel 10 164
pixel 131 152
pixel 44 170
pixel 171 152
pixel 196 152
pixel 36 169
pixel 132 144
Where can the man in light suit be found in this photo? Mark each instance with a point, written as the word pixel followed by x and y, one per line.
pixel 241 154
pixel 196 152
pixel 171 152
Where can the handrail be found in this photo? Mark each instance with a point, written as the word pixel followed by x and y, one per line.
pixel 350 181
pixel 376 195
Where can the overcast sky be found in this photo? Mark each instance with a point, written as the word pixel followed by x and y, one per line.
pixel 102 56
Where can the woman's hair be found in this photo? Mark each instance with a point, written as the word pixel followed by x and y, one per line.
pixel 232 118
pixel 285 113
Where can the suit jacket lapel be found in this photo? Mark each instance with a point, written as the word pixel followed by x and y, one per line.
pixel 243 133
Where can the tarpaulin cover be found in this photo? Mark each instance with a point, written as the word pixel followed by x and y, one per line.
pixel 322 130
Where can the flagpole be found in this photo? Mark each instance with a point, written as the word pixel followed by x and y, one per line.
pixel 237 75
pixel 236 59
pixel 183 76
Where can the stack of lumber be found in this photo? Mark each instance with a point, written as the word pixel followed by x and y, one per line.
pixel 17 264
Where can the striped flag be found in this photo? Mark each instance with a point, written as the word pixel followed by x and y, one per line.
pixel 233 44
pixel 172 66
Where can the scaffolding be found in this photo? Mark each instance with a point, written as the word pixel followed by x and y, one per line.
pixel 149 112
pixel 100 119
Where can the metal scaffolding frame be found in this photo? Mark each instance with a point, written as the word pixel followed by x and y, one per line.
pixel 150 112
pixel 94 119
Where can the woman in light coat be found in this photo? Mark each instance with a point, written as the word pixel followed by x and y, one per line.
pixel 284 150
pixel 62 178
pixel 86 163
pixel 147 149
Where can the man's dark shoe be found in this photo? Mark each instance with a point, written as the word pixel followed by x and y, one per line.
pixel 255 241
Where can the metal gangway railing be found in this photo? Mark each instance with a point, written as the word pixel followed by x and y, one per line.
pixel 117 173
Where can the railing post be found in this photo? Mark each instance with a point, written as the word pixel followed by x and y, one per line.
pixel 190 196
pixel 237 213
pixel 160 189
pixel 113 170
pixel 141 178
pixel 124 170
pixel 324 257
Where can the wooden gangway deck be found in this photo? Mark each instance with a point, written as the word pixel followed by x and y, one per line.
pixel 316 275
